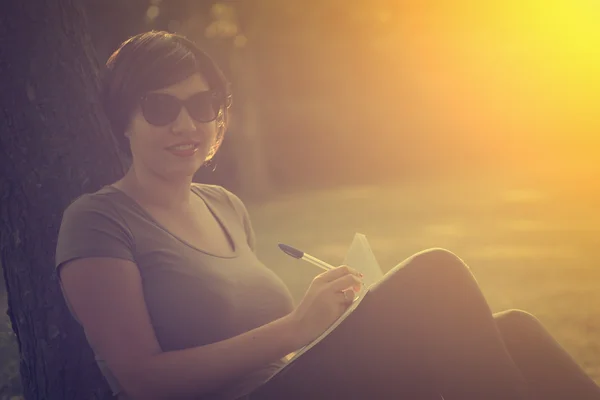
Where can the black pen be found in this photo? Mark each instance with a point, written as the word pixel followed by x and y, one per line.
pixel 290 251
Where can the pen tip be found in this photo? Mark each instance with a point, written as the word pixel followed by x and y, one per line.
pixel 289 250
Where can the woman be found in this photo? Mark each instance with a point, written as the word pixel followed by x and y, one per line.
pixel 162 276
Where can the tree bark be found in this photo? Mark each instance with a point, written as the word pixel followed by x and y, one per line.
pixel 54 145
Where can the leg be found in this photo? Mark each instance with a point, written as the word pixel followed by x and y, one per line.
pixel 425 325
pixel 549 370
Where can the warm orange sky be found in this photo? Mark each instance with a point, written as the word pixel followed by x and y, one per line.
pixel 526 68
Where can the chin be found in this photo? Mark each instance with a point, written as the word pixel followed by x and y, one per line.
pixel 182 171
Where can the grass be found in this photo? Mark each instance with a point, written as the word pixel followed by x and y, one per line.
pixel 531 243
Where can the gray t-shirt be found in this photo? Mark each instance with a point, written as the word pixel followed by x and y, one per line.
pixel 194 298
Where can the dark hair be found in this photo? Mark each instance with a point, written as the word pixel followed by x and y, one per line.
pixel 151 61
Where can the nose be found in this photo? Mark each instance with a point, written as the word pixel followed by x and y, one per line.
pixel 183 123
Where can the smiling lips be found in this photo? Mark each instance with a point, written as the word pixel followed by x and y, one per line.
pixel 184 149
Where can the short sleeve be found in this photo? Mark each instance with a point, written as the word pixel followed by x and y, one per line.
pixel 92 227
pixel 240 208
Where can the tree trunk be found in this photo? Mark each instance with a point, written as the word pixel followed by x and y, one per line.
pixel 246 152
pixel 54 145
pixel 248 145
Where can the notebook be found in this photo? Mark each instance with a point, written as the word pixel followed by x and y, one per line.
pixel 360 257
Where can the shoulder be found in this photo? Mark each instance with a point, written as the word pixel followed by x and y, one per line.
pixel 98 211
pixel 92 226
pixel 220 194
pixel 98 203
pixel 231 201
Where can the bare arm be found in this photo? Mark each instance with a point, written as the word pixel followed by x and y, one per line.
pixel 106 295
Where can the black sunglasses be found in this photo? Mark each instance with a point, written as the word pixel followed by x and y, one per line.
pixel 161 109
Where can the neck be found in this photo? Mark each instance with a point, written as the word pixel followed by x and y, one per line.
pixel 156 191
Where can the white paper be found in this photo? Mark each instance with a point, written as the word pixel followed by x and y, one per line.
pixel 360 257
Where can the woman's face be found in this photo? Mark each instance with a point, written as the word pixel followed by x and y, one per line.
pixel 174 148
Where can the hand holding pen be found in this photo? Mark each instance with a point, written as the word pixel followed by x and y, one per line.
pixel 328 296
pixel 290 251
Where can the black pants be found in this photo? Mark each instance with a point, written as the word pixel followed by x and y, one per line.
pixel 426 330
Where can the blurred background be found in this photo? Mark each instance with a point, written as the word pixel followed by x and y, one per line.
pixel 462 124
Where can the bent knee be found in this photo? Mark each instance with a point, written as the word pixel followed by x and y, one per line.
pixel 436 253
pixel 432 270
pixel 515 318
pixel 432 264
pixel 438 259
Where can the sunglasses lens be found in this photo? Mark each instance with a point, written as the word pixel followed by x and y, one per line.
pixel 160 109
pixel 203 106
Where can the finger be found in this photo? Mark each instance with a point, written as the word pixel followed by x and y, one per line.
pixel 345 297
pixel 349 296
pixel 345 282
pixel 338 272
